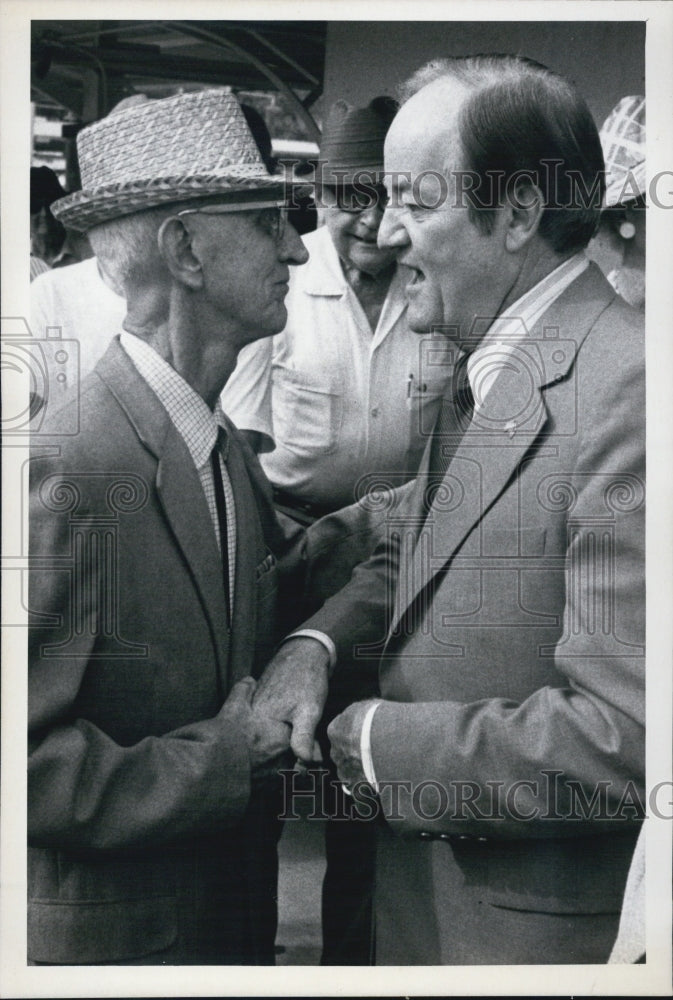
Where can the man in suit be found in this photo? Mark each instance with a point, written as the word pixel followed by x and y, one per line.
pixel 153 795
pixel 505 606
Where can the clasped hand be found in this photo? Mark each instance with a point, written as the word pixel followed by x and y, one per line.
pixel 293 690
pixel 268 740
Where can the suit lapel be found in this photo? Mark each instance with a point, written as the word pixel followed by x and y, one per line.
pixel 179 491
pixel 184 503
pixel 506 425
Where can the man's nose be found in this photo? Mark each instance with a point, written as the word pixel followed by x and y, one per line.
pixel 370 217
pixel 391 231
pixel 292 248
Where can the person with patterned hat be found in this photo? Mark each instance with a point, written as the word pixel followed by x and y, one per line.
pixel 623 140
pixel 155 564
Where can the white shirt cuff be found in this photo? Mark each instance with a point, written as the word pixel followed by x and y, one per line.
pixel 366 747
pixel 311 633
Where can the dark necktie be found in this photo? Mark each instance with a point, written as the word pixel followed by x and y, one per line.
pixel 454 419
pixel 221 504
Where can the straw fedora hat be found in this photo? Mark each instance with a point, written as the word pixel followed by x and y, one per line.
pixel 352 141
pixel 154 152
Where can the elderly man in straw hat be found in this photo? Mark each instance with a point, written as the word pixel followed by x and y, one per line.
pixel 152 803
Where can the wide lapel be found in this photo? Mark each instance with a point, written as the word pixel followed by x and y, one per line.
pixel 510 419
pixel 178 488
pixel 181 494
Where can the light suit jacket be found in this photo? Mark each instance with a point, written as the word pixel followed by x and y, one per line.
pixel 509 626
pixel 139 780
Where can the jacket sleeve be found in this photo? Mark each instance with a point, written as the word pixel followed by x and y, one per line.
pixel 352 560
pixel 85 790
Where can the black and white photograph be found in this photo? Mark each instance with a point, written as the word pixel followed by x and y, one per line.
pixel 337 499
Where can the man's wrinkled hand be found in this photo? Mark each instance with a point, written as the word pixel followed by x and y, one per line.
pixel 268 739
pixel 293 690
pixel 345 733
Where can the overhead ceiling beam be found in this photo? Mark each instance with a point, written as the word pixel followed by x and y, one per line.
pixel 169 67
pixel 282 55
pixel 65 95
pixel 130 28
pixel 221 42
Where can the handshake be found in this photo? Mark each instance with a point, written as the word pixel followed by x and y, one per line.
pixel 281 711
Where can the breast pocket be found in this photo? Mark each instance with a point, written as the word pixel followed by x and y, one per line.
pixel 307 411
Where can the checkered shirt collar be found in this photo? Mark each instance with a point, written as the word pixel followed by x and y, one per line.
pixel 196 423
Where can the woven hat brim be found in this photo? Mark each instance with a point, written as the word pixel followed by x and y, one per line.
pixel 82 210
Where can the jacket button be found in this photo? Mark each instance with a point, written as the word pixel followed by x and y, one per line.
pixel 482 840
pixel 426 835
pixel 446 837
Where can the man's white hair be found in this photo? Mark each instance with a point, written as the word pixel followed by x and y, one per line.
pixel 128 246
pixel 428 73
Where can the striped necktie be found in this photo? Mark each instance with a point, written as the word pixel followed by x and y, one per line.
pixel 454 419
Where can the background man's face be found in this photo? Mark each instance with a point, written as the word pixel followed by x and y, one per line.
pixel 457 270
pixel 247 269
pixel 354 234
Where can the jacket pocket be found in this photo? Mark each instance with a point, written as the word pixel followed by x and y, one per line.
pixel 566 875
pixel 307 412
pixel 84 932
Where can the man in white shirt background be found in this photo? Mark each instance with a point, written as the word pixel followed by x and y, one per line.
pixel 353 392
pixel 354 395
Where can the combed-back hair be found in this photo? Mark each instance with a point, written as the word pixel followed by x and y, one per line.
pixel 128 247
pixel 523 119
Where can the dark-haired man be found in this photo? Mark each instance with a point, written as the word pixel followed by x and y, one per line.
pixel 506 606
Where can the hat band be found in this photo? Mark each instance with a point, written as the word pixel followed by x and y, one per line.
pixel 90 207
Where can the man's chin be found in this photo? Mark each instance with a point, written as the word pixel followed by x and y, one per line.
pixel 276 323
pixel 419 321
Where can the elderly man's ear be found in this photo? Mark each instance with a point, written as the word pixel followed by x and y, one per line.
pixel 525 207
pixel 177 251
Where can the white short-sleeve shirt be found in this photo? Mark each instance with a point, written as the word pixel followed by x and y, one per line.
pixel 348 402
